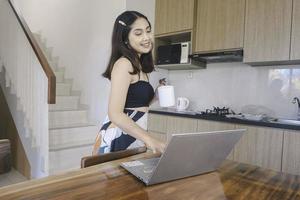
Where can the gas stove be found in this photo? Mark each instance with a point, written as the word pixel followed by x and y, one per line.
pixel 217 111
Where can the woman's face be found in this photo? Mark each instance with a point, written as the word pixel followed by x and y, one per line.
pixel 140 36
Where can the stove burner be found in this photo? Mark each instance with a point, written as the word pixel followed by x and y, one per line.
pixel 217 111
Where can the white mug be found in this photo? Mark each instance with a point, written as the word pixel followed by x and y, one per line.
pixel 166 96
pixel 182 103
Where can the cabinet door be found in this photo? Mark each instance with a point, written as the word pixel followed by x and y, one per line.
pixel 291 152
pixel 205 125
pixel 260 146
pixel 181 125
pixel 160 136
pixel 295 44
pixel 267 30
pixel 157 123
pixel 173 16
pixel 220 25
pixel 157 126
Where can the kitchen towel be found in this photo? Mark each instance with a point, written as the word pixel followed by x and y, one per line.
pixel 166 96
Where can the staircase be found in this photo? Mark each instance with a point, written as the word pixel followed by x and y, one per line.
pixel 71 136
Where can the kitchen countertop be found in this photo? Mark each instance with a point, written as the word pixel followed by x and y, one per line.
pixel 232 181
pixel 194 115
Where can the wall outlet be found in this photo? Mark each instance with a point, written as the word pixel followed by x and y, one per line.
pixel 190 75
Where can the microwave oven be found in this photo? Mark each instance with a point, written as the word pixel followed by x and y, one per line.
pixel 173 54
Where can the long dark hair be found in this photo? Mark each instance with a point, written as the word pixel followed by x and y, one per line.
pixel 120 45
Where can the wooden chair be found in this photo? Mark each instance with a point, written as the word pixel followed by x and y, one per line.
pixel 98 159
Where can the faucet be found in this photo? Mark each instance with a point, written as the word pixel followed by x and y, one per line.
pixel 296 100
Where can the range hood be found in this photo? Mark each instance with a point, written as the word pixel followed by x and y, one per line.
pixel 215 57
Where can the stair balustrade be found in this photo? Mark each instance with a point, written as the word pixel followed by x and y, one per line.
pixel 30 79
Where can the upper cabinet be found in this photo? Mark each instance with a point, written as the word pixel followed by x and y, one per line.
pixel 219 25
pixel 295 44
pixel 267 30
pixel 173 16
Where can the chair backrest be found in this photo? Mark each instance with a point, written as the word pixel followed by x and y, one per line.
pixel 98 159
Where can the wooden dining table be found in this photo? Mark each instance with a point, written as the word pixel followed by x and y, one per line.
pixel 109 180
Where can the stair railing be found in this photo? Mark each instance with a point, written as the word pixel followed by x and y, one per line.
pixel 27 74
pixel 39 54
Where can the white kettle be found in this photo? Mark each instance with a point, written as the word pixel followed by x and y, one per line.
pixel 182 103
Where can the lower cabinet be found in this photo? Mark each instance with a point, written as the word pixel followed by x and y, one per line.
pixel 291 152
pixel 270 148
pixel 157 126
pixel 260 146
pixel 157 123
pixel 160 136
pixel 180 125
pixel 205 125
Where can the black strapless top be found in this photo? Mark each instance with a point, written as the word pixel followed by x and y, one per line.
pixel 139 94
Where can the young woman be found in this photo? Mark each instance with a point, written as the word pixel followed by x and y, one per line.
pixel 131 93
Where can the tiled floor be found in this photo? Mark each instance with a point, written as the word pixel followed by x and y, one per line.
pixel 11 177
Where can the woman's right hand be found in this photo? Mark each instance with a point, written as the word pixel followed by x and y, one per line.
pixel 155 145
pixel 162 82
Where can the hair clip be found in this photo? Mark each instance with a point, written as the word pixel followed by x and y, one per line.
pixel 122 23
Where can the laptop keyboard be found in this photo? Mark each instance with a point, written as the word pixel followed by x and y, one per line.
pixel 149 164
pixel 144 170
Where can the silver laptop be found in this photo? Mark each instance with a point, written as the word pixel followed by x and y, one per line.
pixel 186 155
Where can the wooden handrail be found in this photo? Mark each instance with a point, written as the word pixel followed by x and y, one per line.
pixel 39 53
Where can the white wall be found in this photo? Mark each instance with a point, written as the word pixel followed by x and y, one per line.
pixel 237 85
pixel 80 32
pixel 146 7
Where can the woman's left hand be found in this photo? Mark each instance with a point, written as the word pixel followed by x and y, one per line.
pixel 162 82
